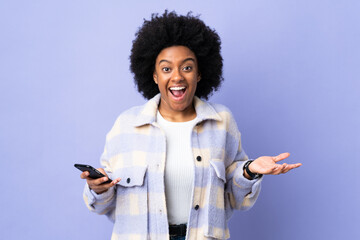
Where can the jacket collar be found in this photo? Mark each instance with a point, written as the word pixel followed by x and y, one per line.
pixel 147 115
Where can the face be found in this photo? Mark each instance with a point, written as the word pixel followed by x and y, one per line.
pixel 176 74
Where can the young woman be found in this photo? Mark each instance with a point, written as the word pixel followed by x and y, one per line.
pixel 177 164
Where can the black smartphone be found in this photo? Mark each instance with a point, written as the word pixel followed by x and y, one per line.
pixel 94 173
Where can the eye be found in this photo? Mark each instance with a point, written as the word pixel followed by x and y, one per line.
pixel 187 68
pixel 166 69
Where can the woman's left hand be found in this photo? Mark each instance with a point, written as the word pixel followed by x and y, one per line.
pixel 268 165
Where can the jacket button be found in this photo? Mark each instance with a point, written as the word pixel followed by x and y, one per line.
pixel 198 158
pixel 196 207
pixel 128 180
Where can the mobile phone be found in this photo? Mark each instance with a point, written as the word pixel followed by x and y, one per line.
pixel 94 173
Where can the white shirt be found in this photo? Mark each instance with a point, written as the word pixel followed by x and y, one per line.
pixel 179 168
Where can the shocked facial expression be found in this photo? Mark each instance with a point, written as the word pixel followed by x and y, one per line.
pixel 176 74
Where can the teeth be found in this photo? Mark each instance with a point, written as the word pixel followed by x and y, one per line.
pixel 177 88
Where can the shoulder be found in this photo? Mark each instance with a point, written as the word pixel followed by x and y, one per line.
pixel 136 117
pixel 228 121
pixel 128 116
pixel 224 112
pixel 220 108
pixel 124 123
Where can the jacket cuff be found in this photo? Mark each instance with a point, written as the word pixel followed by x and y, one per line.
pixel 94 197
pixel 242 182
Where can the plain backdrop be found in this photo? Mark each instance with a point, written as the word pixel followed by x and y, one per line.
pixel 291 72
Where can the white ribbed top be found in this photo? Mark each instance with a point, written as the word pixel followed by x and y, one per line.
pixel 179 168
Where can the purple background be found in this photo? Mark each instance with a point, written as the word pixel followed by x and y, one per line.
pixel 291 73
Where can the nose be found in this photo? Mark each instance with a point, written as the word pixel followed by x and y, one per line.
pixel 177 76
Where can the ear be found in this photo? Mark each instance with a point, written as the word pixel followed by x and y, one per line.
pixel 155 77
pixel 198 78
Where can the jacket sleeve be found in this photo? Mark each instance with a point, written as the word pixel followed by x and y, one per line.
pixel 102 203
pixel 242 193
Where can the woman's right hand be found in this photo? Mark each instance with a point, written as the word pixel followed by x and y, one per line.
pixel 96 184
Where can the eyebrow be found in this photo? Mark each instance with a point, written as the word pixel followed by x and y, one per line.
pixel 185 60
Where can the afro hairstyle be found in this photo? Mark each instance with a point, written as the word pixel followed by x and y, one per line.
pixel 170 29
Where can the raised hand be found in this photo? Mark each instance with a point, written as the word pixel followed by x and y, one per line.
pixel 268 165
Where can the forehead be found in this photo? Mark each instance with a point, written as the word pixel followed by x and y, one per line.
pixel 175 53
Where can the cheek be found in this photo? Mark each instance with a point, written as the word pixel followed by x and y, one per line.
pixel 161 85
pixel 195 82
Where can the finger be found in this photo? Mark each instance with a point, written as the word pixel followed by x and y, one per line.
pixel 277 169
pixel 116 181
pixel 102 180
pixel 285 168
pixel 84 175
pixel 109 185
pixel 96 182
pixel 282 168
pixel 106 186
pixel 281 156
pixel 296 165
pixel 274 168
pixel 285 171
pixel 291 166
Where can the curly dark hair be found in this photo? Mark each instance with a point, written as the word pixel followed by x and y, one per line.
pixel 169 30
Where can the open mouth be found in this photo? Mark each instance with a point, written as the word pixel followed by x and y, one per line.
pixel 178 92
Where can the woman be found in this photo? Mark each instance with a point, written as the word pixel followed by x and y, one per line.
pixel 177 164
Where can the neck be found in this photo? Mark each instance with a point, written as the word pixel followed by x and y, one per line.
pixel 187 114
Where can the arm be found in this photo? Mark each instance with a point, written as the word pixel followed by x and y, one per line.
pixel 99 197
pixel 242 190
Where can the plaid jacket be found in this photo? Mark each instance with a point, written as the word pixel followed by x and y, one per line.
pixel 135 151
